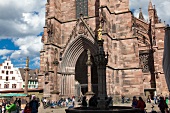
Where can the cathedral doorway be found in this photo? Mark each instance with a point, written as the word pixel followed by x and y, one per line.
pixel 81 74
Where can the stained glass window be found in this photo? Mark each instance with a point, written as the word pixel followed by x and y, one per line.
pixel 81 8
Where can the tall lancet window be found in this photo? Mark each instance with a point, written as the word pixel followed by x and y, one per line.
pixel 81 8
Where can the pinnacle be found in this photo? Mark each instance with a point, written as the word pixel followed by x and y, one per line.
pixel 141 14
pixel 150 5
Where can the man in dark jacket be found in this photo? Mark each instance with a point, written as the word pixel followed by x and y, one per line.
pixel 34 105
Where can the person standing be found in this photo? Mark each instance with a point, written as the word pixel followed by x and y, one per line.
pixel 4 105
pixel 155 99
pixel 134 102
pixel 19 103
pixel 123 99
pixel 166 99
pixel 162 105
pixel 34 105
pixel 0 109
pixel 141 104
pixel 27 109
pixel 16 100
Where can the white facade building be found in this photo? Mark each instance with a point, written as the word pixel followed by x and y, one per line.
pixel 10 77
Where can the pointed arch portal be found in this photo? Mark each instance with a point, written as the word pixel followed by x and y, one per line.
pixel 81 73
pixel 74 64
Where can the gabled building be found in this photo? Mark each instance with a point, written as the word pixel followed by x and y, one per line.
pixel 10 77
pixel 32 78
pixel 12 80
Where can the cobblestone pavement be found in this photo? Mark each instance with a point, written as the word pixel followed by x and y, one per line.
pixel 62 110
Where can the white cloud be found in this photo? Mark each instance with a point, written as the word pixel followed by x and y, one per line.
pixel 4 57
pixel 36 58
pixel 162 7
pixel 36 63
pixel 28 46
pixel 18 19
pixel 5 52
pixel 20 65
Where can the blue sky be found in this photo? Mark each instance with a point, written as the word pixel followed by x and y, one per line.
pixel 21 29
pixel 22 25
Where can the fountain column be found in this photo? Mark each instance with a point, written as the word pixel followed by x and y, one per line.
pixel 89 94
pixel 26 76
pixel 101 61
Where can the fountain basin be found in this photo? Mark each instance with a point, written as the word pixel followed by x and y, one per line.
pixel 112 109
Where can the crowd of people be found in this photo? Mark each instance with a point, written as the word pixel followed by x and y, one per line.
pixel 161 101
pixel 10 106
pixel 139 103
pixel 62 102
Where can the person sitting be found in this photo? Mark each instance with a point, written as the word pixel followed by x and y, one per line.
pixel 93 101
pixel 84 103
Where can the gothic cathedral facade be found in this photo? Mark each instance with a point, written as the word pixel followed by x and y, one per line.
pixel 135 47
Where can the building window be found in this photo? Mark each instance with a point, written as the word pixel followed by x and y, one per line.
pixel 11 72
pixel 14 86
pixel 0 85
pixel 61 56
pixel 144 62
pixel 5 67
pixel 13 78
pixel 0 77
pixel 115 59
pixel 30 77
pixel 3 71
pixel 7 63
pixel 81 8
pixel 6 85
pixel 9 67
pixel 6 72
pixel 6 78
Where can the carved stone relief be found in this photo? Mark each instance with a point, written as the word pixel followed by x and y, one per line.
pixel 144 58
